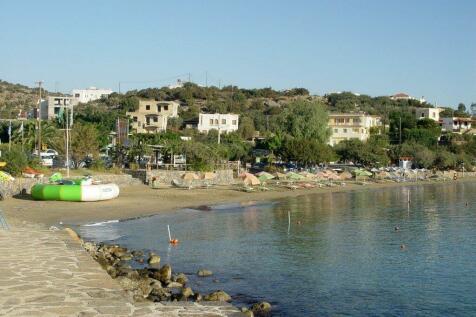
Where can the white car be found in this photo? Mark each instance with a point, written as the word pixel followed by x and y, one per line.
pixel 46 159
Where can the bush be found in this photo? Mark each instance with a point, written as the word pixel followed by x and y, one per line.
pixel 16 160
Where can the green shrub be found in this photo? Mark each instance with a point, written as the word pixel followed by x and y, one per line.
pixel 16 160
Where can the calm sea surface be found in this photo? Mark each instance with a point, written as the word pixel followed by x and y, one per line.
pixel 340 256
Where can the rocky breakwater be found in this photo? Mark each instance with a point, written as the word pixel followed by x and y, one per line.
pixel 153 282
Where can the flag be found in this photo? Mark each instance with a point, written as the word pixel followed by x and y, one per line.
pixel 60 115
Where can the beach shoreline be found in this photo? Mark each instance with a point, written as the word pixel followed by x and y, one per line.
pixel 141 201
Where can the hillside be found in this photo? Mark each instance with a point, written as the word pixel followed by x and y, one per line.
pixel 16 97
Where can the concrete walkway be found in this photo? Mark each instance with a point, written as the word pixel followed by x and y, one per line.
pixel 45 273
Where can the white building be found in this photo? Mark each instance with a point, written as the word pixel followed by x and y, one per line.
pixel 90 94
pixel 51 107
pixel 217 121
pixel 456 124
pixel 152 115
pixel 428 113
pixel 403 96
pixel 347 126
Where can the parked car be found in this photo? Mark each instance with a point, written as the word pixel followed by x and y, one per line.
pixel 46 159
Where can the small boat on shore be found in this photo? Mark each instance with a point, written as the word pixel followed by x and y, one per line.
pixel 74 192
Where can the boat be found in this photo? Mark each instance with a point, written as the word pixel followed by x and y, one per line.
pixel 74 191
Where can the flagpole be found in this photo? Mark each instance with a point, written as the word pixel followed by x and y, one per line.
pixel 67 142
pixel 22 142
pixel 10 136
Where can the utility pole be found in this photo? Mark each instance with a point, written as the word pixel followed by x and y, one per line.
pixel 206 79
pixel 400 130
pixel 219 122
pixel 67 142
pixel 38 118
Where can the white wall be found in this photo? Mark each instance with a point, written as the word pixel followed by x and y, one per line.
pixel 90 94
pixel 216 121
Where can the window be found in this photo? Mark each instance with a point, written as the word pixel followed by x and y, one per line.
pixel 355 130
pixel 336 130
pixel 223 121
pixel 76 95
pixel 211 121
pixel 347 120
pixel 166 107
pixel 57 109
pixel 147 107
pixel 216 121
pixel 422 115
pixel 345 130
pixel 134 119
pixel 233 122
pixel 156 119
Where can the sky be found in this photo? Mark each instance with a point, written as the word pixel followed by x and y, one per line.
pixel 423 48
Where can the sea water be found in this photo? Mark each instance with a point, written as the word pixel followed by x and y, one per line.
pixel 366 252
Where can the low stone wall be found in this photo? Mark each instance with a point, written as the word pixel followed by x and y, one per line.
pixel 165 177
pixel 23 185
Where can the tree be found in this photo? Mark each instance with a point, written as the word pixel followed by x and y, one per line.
pixel 304 120
pixel 246 128
pixel 84 142
pixel 422 156
pixel 461 107
pixel 16 160
pixel 306 151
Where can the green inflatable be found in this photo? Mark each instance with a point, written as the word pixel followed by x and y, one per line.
pixel 74 190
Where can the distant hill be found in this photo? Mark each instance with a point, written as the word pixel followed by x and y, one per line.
pixel 15 98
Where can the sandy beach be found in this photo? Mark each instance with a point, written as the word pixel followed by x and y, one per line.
pixel 141 200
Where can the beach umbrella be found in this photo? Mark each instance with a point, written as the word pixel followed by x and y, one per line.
pixel 249 179
pixel 208 175
pixel 190 176
pixel 294 176
pixel 306 174
pixel 361 172
pixel 333 176
pixel 345 175
pixel 280 175
pixel 264 176
pixel 321 175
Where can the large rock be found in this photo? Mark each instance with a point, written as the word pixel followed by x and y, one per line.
pixel 187 292
pixel 218 296
pixel 164 274
pixel 180 278
pixel 261 309
pixel 159 295
pixel 174 285
pixel 204 273
pixel 154 259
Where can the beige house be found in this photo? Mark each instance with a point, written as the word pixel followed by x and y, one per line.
pixel 428 113
pixel 152 115
pixel 51 107
pixel 346 126
pixel 456 124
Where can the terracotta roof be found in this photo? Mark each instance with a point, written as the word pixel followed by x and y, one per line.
pixel 401 94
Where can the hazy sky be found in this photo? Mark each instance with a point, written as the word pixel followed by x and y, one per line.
pixel 424 48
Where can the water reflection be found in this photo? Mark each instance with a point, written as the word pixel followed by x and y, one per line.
pixel 341 255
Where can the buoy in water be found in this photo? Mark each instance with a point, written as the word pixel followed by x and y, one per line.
pixel 172 241
pixel 402 246
pixel 397 228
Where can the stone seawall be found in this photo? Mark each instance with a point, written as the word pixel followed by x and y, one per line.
pixel 23 185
